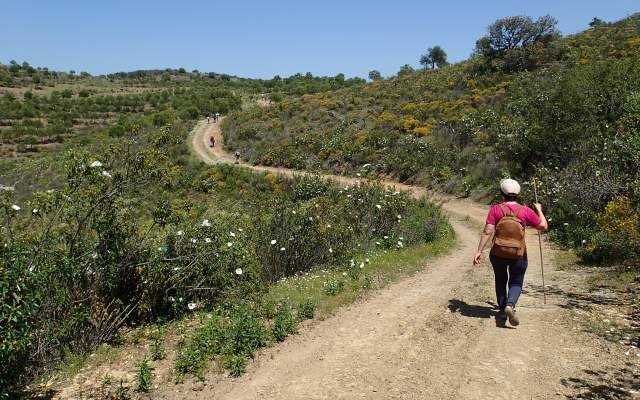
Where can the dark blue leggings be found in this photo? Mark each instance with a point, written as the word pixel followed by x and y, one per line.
pixel 508 273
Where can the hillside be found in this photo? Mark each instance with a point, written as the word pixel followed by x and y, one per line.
pixel 561 110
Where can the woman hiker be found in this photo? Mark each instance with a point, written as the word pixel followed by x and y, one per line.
pixel 508 255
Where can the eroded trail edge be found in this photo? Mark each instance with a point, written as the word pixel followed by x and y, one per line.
pixel 429 336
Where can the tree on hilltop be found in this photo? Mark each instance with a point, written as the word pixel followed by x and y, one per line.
pixel 514 32
pixel 435 57
pixel 375 75
pixel 520 43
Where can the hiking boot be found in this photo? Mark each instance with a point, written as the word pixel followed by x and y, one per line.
pixel 501 315
pixel 511 314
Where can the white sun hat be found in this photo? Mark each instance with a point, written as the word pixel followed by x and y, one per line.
pixel 509 186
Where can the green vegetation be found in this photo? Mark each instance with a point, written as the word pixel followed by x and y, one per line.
pixel 435 57
pixel 143 377
pixel 529 104
pixel 134 231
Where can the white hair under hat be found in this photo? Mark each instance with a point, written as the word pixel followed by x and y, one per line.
pixel 509 186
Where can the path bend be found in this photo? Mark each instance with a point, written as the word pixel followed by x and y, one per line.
pixel 428 336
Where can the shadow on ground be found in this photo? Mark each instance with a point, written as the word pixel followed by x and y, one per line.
pixel 620 383
pixel 477 311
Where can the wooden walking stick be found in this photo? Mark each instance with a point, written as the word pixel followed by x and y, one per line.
pixel 544 287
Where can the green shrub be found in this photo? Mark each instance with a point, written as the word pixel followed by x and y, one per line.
pixel 284 322
pixel 143 377
pixel 235 364
pixel 333 287
pixel 234 334
pixel 306 310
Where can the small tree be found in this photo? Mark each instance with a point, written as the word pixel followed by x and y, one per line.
pixel 405 70
pixel 435 57
pixel 375 75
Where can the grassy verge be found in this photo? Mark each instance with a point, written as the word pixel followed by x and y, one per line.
pixel 382 269
pixel 231 335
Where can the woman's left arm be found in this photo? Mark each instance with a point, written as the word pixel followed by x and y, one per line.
pixel 488 230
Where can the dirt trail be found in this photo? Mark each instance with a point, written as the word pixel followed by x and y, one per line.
pixel 429 336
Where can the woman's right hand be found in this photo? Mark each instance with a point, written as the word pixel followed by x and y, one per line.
pixel 538 207
pixel 477 258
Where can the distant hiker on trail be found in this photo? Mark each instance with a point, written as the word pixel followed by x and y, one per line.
pixel 237 154
pixel 213 141
pixel 208 119
pixel 508 256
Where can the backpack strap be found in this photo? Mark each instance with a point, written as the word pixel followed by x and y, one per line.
pixel 517 210
pixel 506 211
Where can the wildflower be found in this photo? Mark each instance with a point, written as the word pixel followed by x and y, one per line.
pixel 238 271
pixel 378 206
pixel 386 237
pixel 35 211
pixel 401 238
pixel 15 207
pixel 240 230
pixel 584 241
pixel 400 244
pixel 206 223
pixel 96 164
pixel 94 255
pixel 378 243
pixel 273 241
pixel 399 216
pixel 361 265
pixel 180 299
pixel 330 250
pixel 176 269
pixel 192 306
pixel 358 174
pixel 366 260
pixel 232 234
pixel 566 224
pixel 282 249
pixel 229 244
pixel 50 191
pixel 328 226
pixel 179 233
pixel 106 174
pixel 207 240
pixel 194 240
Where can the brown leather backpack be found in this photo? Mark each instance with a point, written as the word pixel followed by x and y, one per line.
pixel 508 240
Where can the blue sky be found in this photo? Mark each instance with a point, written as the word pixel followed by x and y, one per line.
pixel 264 38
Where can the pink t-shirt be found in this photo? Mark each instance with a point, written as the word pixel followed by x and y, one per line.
pixel 526 215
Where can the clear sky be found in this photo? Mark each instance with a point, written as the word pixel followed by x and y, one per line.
pixel 262 38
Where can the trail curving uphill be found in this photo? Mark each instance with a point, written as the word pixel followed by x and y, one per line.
pixel 429 336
